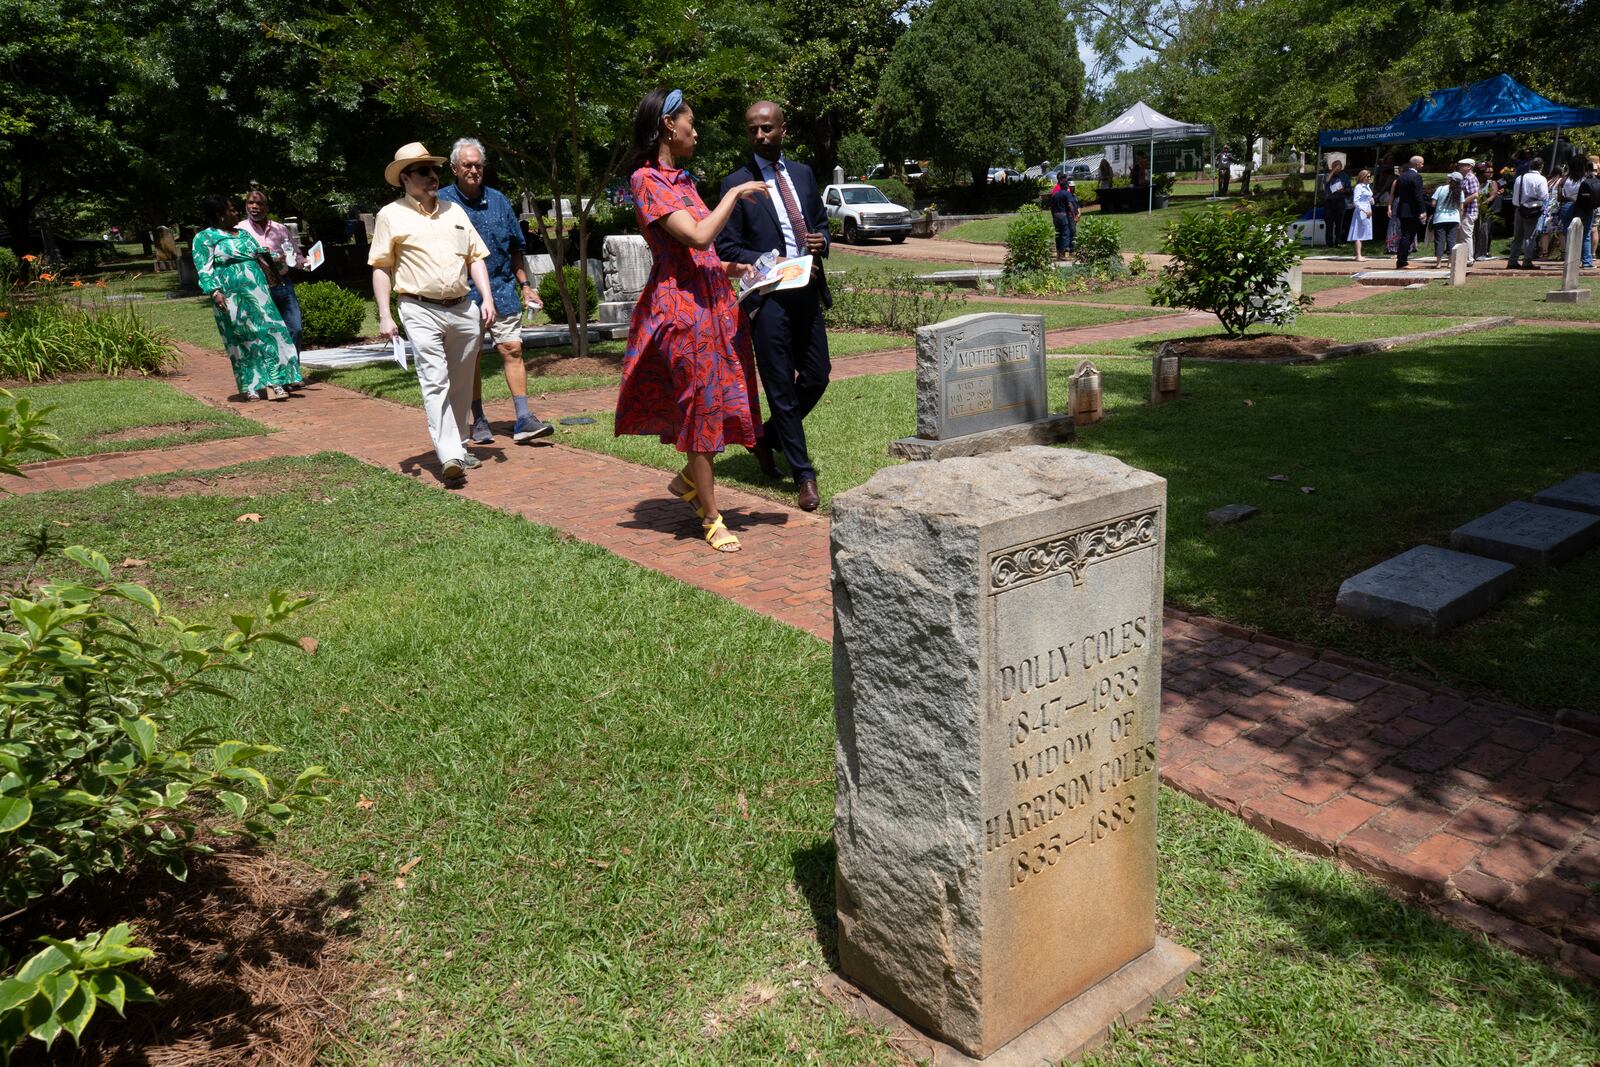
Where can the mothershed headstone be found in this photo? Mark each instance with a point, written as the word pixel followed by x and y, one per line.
pixel 981 388
pixel 997 687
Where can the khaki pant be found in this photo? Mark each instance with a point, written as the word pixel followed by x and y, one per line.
pixel 444 342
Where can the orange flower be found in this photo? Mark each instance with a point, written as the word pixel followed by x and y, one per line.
pixel 101 284
pixel 76 284
pixel 29 259
pixel 5 314
pixel 47 277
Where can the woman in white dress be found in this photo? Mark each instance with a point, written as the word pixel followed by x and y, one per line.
pixel 1361 217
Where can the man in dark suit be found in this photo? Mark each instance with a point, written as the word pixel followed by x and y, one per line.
pixel 1408 206
pixel 791 341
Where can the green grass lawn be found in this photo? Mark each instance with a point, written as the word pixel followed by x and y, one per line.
pixel 1345 328
pixel 618 794
pixel 1139 295
pixel 189 318
pixel 95 416
pixel 1057 316
pixel 840 258
pixel 1486 295
pixel 1394 444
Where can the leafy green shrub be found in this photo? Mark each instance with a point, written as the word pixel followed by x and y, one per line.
pixel 22 430
pixel 1098 243
pixel 1293 183
pixel 579 284
pixel 10 266
pixel 893 302
pixel 329 313
pixel 83 262
pixel 1030 241
pixel 857 153
pixel 89 784
pixel 1233 264
pixel 896 190
pixel 44 336
pixel 59 987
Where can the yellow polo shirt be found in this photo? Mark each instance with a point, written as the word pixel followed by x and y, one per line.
pixel 428 254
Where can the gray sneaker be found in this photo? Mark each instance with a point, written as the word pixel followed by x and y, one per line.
pixel 454 470
pixel 471 462
pixel 531 429
pixel 480 432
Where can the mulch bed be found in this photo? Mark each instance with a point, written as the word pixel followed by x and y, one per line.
pixel 555 366
pixel 1258 346
pixel 252 963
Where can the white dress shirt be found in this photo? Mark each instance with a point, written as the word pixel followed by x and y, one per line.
pixel 791 247
pixel 1530 189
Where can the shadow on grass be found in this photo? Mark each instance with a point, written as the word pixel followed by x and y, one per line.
pixel 813 874
pixel 1418 955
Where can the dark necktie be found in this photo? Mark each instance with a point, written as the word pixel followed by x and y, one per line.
pixel 791 206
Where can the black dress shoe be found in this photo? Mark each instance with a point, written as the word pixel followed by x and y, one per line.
pixel 809 497
pixel 764 460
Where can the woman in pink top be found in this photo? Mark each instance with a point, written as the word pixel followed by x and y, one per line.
pixel 280 248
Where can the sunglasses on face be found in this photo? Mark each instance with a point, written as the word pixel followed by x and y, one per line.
pixel 418 172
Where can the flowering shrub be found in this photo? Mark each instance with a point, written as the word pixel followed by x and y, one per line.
pixel 1030 242
pixel 44 333
pixel 1234 264
pixel 893 302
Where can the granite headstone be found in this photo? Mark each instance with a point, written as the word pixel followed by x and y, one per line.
pixel 1581 492
pixel 1426 589
pixel 1534 535
pixel 997 688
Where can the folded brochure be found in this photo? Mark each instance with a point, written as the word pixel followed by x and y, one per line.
pixel 789 274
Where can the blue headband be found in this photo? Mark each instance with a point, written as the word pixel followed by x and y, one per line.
pixel 672 103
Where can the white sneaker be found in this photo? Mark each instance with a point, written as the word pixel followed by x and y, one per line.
pixel 453 470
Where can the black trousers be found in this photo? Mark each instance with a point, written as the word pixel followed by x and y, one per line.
pixel 1335 222
pixel 791 345
pixel 1409 229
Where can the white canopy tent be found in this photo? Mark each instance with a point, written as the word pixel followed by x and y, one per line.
pixel 1142 124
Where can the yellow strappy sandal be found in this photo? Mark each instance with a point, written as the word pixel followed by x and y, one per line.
pixel 718 536
pixel 692 497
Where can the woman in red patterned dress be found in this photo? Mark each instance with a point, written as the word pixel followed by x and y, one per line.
pixel 689 373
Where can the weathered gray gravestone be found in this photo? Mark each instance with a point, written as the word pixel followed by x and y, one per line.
pixel 997 686
pixel 627 268
pixel 1530 534
pixel 1085 397
pixel 1569 293
pixel 981 388
pixel 1426 589
pixel 1581 492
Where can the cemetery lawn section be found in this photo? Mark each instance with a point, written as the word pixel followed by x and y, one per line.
pixel 124 414
pixel 388 381
pixel 1344 328
pixel 189 318
pixel 1522 297
pixel 1401 447
pixel 841 257
pixel 612 795
pixel 1057 315
pixel 1139 295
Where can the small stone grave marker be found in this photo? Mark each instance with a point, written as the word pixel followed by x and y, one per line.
pixel 1166 367
pixel 981 388
pixel 1426 589
pixel 1229 514
pixel 997 692
pixel 1085 400
pixel 1569 293
pixel 1532 534
pixel 1460 262
pixel 1581 492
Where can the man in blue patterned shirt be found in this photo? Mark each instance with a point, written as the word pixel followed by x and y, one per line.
pixel 496 222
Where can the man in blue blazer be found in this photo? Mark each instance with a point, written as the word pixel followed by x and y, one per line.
pixel 791 341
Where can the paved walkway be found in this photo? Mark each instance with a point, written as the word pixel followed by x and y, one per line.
pixel 1490 813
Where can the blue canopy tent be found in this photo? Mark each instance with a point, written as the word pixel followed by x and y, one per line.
pixel 1494 105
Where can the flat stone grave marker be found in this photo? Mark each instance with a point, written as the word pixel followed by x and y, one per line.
pixel 1426 589
pixel 1581 492
pixel 1229 514
pixel 997 688
pixel 981 388
pixel 1569 293
pixel 1532 534
pixel 968 279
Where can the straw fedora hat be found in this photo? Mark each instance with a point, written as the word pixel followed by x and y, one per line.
pixel 406 155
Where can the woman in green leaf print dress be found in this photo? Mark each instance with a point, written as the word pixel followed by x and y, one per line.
pixel 259 344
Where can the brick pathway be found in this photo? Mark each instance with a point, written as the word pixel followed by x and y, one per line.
pixel 1491 814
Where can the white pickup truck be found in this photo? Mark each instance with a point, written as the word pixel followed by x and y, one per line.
pixel 863 211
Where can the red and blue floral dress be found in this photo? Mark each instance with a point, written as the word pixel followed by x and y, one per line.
pixel 689 374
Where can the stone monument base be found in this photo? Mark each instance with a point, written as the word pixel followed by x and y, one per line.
pixel 615 312
pixel 1123 997
pixel 1566 296
pixel 1047 431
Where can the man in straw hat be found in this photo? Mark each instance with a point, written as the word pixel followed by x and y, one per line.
pixel 427 250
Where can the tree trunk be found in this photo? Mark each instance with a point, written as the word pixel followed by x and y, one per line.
pixel 980 176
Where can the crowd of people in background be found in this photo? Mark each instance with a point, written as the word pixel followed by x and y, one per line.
pixel 1392 207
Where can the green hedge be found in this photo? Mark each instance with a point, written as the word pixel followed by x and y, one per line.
pixel 330 314
pixel 550 293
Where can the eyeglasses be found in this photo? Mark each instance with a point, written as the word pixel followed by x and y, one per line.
pixel 468 166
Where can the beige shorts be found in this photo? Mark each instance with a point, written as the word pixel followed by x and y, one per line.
pixel 507 330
